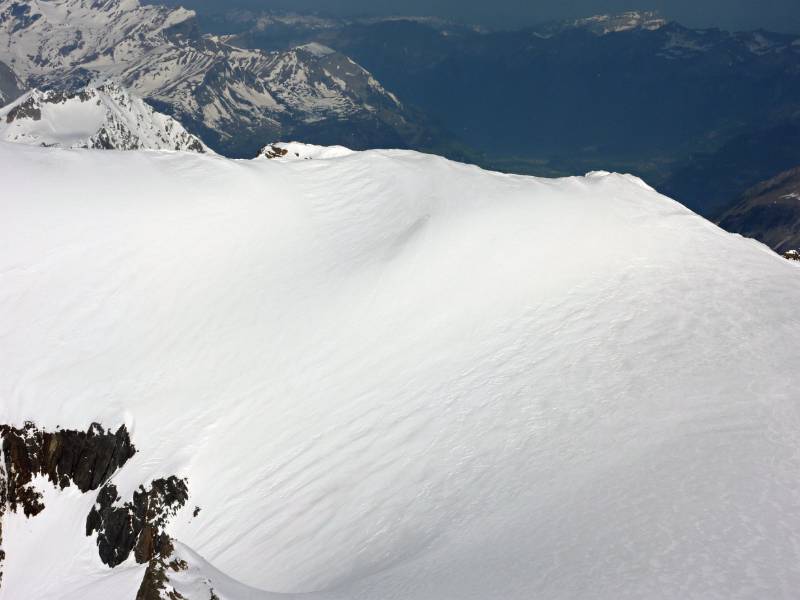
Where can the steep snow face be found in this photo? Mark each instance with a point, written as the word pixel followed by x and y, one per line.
pixel 103 116
pixel 390 376
pixel 208 84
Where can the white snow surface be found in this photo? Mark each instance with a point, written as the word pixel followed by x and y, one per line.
pixel 98 116
pixel 392 376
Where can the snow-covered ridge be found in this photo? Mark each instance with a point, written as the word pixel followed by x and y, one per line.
pixel 389 376
pixel 98 116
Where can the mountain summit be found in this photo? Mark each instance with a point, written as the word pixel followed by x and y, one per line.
pixel 103 116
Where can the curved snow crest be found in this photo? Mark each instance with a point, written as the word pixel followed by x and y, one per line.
pixel 394 376
pixel 100 116
pixel 627 176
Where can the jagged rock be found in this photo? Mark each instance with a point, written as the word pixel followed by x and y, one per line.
pixel 87 459
pixel 273 151
pixel 156 580
pixel 136 526
pixel 792 255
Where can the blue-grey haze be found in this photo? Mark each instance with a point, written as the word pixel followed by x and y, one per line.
pixel 776 15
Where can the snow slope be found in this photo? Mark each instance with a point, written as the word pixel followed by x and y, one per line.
pixel 386 375
pixel 98 116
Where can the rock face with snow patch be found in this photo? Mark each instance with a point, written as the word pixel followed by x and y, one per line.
pixel 99 117
pixel 64 457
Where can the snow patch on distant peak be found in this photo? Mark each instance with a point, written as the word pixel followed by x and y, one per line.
pixel 316 49
pixel 627 21
pixel 300 151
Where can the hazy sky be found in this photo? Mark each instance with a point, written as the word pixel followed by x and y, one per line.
pixel 779 15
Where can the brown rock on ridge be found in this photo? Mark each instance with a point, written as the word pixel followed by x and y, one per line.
pixel 136 526
pixel 87 459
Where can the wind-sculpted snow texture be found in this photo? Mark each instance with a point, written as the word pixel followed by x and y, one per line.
pixel 225 93
pixel 389 376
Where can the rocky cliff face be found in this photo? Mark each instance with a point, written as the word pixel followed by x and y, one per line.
pixel 87 460
pixel 65 457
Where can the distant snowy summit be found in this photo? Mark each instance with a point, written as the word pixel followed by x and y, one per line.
pixel 627 21
pixel 102 116
pixel 604 24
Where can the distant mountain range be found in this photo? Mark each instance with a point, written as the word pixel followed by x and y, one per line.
pixel 234 98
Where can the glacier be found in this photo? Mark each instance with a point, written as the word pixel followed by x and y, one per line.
pixel 387 375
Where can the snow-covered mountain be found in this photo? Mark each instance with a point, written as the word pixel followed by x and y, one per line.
pixel 99 116
pixel 233 92
pixel 222 92
pixel 386 376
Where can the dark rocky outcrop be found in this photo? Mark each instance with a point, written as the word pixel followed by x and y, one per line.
pixel 86 459
pixel 136 526
pixel 792 255
pixel 273 151
pixel 66 457
pixel 155 582
pixel 25 110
